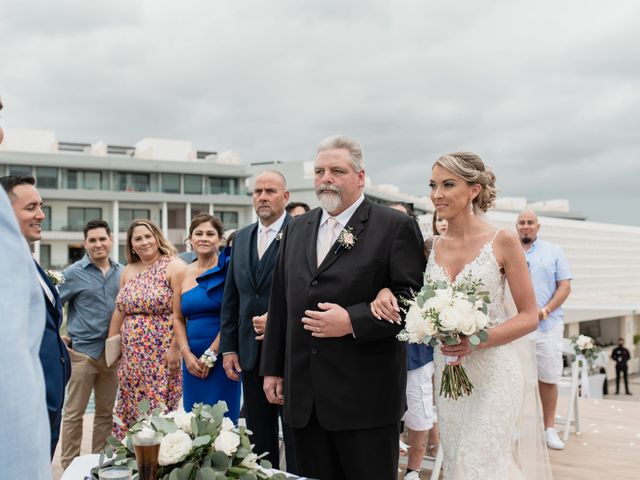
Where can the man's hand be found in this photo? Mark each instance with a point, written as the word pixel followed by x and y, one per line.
pixel 259 325
pixel 333 321
pixel 231 366
pixel 274 389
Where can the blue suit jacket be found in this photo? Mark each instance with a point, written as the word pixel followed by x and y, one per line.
pixel 246 294
pixel 53 352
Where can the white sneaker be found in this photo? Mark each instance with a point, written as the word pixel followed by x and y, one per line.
pixel 553 440
pixel 412 476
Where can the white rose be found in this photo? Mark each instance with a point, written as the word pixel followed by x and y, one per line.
pixel 479 304
pixel 584 342
pixel 437 303
pixel 449 319
pixel 227 442
pixel 182 420
pixel 481 320
pixel 467 323
pixel 250 462
pixel 227 424
pixel 174 447
pixel 417 325
pixel 462 304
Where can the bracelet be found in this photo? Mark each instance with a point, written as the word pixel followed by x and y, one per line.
pixel 545 312
pixel 183 348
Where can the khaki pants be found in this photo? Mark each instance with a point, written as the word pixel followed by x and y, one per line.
pixel 87 374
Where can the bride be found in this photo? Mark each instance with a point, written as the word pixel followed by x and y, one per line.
pixel 486 435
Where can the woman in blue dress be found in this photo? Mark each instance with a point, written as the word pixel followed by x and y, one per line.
pixel 197 302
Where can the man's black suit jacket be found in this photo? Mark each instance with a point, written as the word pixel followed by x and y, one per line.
pixel 356 381
pixel 246 294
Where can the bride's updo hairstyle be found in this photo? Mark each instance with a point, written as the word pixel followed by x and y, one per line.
pixel 472 169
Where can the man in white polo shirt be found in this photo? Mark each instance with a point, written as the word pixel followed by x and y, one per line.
pixel 551 279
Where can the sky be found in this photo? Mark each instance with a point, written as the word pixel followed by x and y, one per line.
pixel 547 92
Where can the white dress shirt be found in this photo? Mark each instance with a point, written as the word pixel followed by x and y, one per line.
pixel 274 229
pixel 342 220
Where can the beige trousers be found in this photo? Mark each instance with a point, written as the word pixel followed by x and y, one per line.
pixel 87 374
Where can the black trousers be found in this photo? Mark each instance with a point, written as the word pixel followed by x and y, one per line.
pixel 262 420
pixel 622 370
pixel 55 418
pixel 349 454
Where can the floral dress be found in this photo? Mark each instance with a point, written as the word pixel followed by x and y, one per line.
pixel 147 331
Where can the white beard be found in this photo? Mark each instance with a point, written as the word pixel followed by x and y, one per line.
pixel 330 201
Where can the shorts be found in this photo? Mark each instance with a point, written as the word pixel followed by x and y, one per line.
pixel 420 414
pixel 549 354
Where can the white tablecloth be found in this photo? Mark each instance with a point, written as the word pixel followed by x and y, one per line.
pixel 82 465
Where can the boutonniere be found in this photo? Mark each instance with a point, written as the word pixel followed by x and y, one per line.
pixel 279 236
pixel 55 277
pixel 346 239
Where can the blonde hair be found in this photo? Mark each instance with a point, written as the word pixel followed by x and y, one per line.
pixel 349 144
pixel 165 247
pixel 472 169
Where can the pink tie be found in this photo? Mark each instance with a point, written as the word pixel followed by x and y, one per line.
pixel 328 239
pixel 262 244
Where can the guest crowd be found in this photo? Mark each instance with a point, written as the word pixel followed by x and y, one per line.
pixel 199 328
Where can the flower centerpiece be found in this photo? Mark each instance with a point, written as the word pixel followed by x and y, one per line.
pixel 443 312
pixel 585 346
pixel 202 444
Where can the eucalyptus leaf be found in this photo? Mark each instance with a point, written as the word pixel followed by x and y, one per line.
pixel 248 476
pixel 483 335
pixel 194 426
pixel 450 340
pixel 266 464
pixel 163 424
pixel 220 461
pixel 474 340
pixel 143 406
pixel 206 473
pixel 201 440
pixel 175 474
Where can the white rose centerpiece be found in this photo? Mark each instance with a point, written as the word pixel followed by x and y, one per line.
pixel 442 312
pixel 198 444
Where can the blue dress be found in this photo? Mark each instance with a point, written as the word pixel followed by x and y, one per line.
pixel 201 309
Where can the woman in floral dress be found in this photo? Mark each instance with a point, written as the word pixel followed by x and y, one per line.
pixel 150 364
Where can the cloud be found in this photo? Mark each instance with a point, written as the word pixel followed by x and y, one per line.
pixel 548 94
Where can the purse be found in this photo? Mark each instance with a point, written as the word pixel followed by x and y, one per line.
pixel 112 349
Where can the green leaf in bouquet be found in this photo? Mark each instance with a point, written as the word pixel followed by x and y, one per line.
pixel 186 470
pixel 114 442
pixel 278 476
pixel 164 425
pixel 206 473
pixel 441 284
pixel 474 340
pixel 434 342
pixel 450 340
pixel 201 440
pixel 143 406
pixel 175 474
pixel 118 421
pixel 243 451
pixel 194 426
pixel 426 339
pixel 266 464
pixel 484 309
pixel 220 461
pixel 483 335
pixel 248 476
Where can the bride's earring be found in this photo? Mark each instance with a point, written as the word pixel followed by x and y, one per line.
pixel 471 209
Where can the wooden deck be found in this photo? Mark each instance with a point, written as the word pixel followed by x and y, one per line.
pixel 607 448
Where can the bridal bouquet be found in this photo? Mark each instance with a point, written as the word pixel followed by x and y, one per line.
pixel 585 346
pixel 202 444
pixel 442 312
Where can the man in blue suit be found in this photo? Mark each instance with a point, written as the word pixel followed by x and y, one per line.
pixel 27 206
pixel 244 310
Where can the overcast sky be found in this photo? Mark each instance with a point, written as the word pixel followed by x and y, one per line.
pixel 547 92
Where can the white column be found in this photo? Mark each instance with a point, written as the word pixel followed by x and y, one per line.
pixel 36 251
pixel 187 221
pixel 211 209
pixel 115 230
pixel 165 220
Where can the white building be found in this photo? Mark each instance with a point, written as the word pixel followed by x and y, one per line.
pixel 165 181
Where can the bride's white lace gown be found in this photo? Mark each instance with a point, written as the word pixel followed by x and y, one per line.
pixel 477 431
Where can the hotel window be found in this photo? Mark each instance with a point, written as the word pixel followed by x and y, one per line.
pixel 171 183
pixel 193 184
pixel 229 219
pixel 128 215
pixel 132 182
pixel 21 170
pixel 45 256
pixel 47 177
pixel 84 180
pixel 77 217
pixel 46 223
pixel 222 185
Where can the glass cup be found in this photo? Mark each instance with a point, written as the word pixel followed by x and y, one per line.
pixel 147 447
pixel 115 473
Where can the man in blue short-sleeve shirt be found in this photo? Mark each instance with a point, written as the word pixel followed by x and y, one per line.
pixel 551 280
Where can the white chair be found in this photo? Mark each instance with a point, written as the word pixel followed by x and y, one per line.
pixel 569 386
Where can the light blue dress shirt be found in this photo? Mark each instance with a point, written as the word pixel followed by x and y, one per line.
pixel 92 299
pixel 547 266
pixel 24 443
